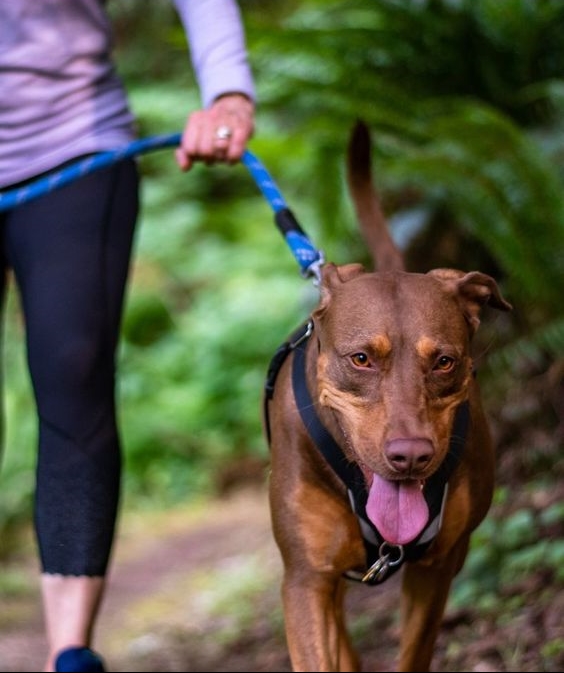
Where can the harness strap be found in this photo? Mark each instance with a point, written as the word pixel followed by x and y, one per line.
pixel 435 489
pixel 302 333
pixel 347 471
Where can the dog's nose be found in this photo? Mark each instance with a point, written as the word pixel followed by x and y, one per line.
pixel 409 455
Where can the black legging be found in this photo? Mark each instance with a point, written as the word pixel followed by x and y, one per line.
pixel 70 252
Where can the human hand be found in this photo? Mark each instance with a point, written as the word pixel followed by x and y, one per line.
pixel 217 134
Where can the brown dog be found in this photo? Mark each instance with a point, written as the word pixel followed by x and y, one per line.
pixel 381 457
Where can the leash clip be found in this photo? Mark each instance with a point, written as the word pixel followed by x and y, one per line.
pixel 380 568
pixel 314 269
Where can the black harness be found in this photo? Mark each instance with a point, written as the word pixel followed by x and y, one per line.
pixel 383 558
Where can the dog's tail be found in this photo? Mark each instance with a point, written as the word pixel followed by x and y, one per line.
pixel 373 226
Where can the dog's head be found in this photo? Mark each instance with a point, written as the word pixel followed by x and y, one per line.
pixel 394 359
pixel 394 364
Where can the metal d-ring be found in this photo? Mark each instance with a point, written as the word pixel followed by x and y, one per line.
pixel 380 568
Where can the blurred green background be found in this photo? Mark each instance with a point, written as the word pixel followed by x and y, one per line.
pixel 465 103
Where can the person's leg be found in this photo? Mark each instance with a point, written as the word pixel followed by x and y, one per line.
pixel 70 252
pixel 70 605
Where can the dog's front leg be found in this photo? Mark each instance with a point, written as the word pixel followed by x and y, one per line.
pixel 315 624
pixel 425 590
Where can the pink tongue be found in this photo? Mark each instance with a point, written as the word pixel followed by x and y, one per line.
pixel 397 509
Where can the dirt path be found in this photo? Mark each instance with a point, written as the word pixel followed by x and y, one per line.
pixel 165 589
pixel 197 589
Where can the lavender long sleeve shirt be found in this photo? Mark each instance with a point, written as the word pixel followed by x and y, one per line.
pixel 60 96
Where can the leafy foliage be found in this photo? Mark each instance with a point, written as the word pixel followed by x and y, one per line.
pixel 464 99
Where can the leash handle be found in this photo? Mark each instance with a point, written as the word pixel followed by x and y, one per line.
pixel 48 183
pixel 308 258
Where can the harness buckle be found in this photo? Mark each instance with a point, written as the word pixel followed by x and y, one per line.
pixel 303 336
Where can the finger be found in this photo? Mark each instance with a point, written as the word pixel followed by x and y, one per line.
pixel 197 139
pixel 223 138
pixel 182 159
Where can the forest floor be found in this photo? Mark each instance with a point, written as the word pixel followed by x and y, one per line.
pixel 197 589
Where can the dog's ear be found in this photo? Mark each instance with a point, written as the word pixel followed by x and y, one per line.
pixel 473 290
pixel 332 276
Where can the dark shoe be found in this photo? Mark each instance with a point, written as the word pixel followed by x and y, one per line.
pixel 79 660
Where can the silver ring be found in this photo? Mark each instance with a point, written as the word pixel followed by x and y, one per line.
pixel 223 133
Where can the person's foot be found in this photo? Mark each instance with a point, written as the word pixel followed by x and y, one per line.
pixel 79 660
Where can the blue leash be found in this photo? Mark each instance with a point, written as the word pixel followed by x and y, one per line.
pixel 308 257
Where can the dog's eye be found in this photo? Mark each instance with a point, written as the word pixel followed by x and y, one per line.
pixel 445 364
pixel 360 360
